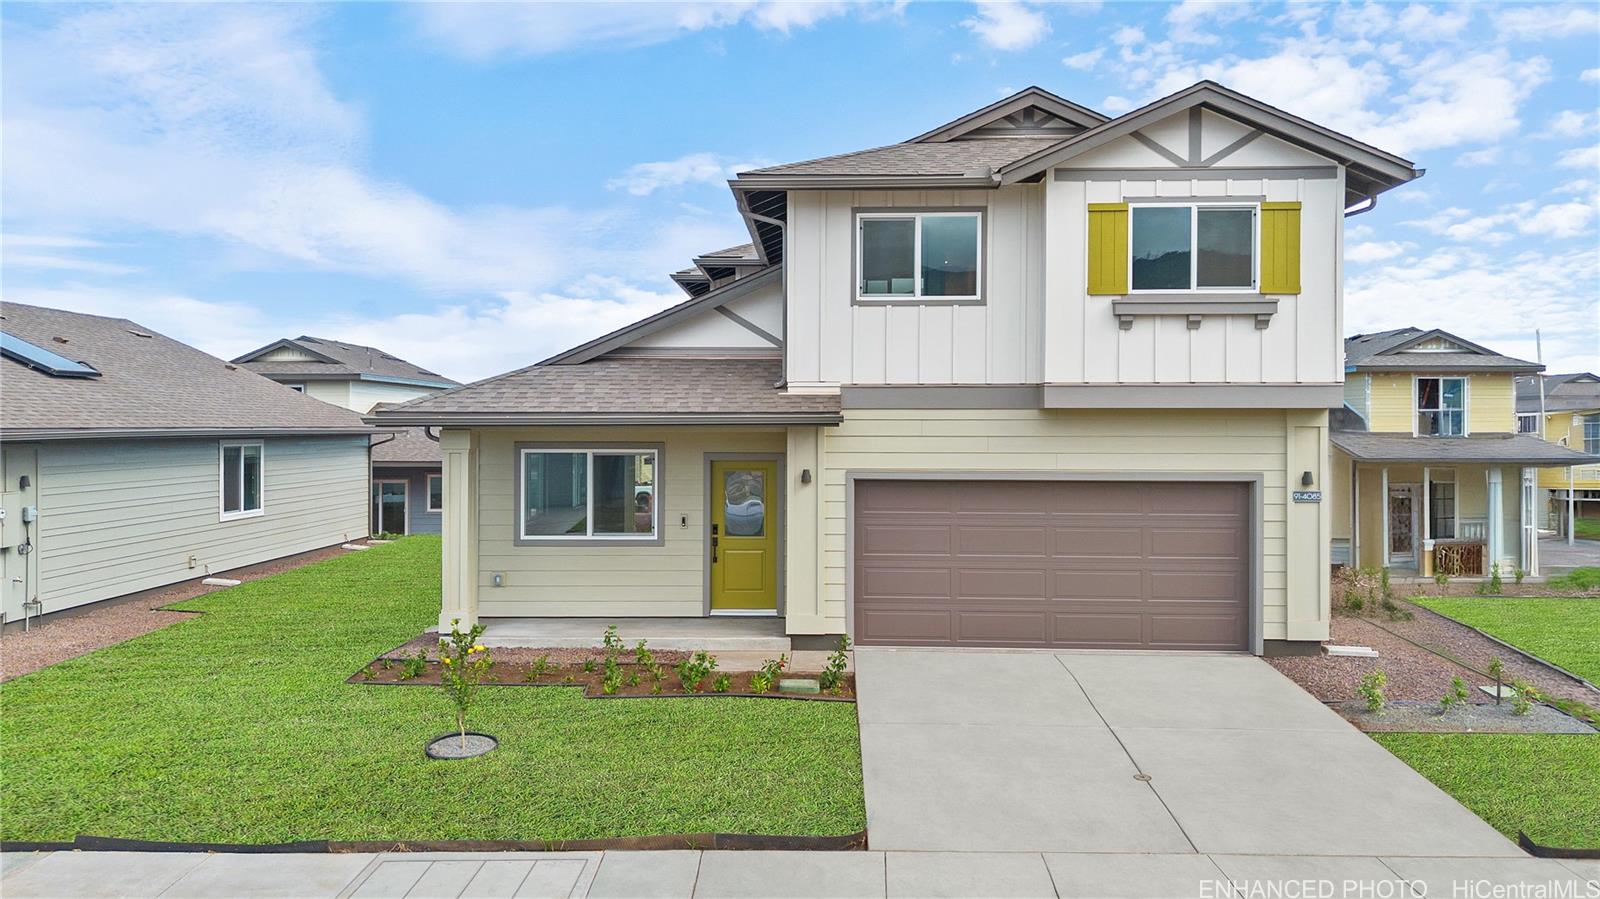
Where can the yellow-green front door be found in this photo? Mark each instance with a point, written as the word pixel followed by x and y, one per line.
pixel 744 536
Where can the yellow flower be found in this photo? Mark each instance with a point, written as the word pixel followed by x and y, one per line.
pixel 445 660
pixel 478 648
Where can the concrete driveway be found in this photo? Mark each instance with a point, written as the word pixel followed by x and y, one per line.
pixel 1136 752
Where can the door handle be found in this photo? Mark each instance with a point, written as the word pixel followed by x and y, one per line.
pixel 713 544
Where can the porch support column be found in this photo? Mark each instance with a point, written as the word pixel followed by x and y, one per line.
pixel 1355 514
pixel 804 611
pixel 459 586
pixel 1383 512
pixel 1307 529
pixel 1495 513
pixel 1529 557
pixel 1427 526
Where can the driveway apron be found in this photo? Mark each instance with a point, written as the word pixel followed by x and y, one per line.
pixel 1132 752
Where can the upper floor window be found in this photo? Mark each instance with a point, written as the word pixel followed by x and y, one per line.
pixel 241 480
pixel 1441 407
pixel 1591 433
pixel 1192 247
pixel 1527 422
pixel 922 255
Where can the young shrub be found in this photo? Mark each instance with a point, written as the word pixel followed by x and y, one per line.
pixel 771 669
pixel 721 684
pixel 643 657
pixel 1522 697
pixel 696 668
pixel 1455 695
pixel 1371 689
pixel 610 640
pixel 1441 579
pixel 832 677
pixel 1497 670
pixel 413 667
pixel 611 681
pixel 588 666
pixel 1496 585
pixel 541 667
pixel 1519 574
pixel 1388 592
pixel 464 661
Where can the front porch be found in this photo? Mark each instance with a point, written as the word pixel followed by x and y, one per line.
pixel 714 634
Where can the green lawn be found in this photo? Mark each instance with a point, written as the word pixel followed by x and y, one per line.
pixel 1547 785
pixel 1587 528
pixel 237 726
pixel 1561 631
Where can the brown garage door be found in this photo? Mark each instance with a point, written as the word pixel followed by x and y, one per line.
pixel 1087 564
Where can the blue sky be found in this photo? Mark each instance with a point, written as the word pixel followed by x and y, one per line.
pixel 475 187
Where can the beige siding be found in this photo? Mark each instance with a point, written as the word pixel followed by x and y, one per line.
pixel 601 580
pixel 116 517
pixel 366 394
pixel 1270 443
pixel 1567 428
pixel 1491 402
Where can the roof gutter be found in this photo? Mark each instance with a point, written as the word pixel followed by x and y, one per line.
pixel 20 435
pixel 605 419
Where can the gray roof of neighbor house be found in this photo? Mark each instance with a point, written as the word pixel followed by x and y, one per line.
pixel 338 360
pixel 618 391
pixel 1384 351
pixel 948 158
pixel 1572 392
pixel 1508 449
pixel 410 447
pixel 148 385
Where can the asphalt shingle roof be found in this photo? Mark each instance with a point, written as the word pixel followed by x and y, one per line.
pixel 1510 449
pixel 1561 393
pixel 646 388
pixel 1371 352
pixel 957 157
pixel 148 383
pixel 349 359
pixel 410 446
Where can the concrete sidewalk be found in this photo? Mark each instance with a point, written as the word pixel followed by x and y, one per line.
pixel 780 874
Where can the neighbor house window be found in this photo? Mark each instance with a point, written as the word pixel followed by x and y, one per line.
pixel 435 492
pixel 1189 247
pixel 1527 422
pixel 1441 407
pixel 297 388
pixel 606 494
pixel 932 255
pixel 241 480
pixel 1591 433
pixel 1442 510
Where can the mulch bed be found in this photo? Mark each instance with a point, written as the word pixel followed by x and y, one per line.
pixel 564 668
pixel 1419 716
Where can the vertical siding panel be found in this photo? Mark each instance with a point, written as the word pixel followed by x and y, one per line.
pixel 1171 361
pixel 1008 270
pixel 1278 343
pixel 1321 345
pixel 1033 290
pixel 970 342
pixel 1136 348
pixel 837 267
pixel 1208 350
pixel 1065 274
pixel 935 345
pixel 803 270
pixel 900 362
pixel 867 340
pixel 1244 349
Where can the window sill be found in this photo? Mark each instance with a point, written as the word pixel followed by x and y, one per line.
pixel 1193 305
pixel 917 301
pixel 236 516
pixel 589 541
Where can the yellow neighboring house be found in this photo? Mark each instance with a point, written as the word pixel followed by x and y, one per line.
pixel 1429 471
pixel 1569 415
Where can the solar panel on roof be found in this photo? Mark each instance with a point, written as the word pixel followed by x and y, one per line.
pixel 51 363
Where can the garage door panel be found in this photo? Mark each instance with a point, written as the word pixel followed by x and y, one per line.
pixel 1052 563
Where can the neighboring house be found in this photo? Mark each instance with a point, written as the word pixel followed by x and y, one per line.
pixel 132 461
pixel 1571 417
pixel 406 478
pixel 1037 377
pixel 1429 472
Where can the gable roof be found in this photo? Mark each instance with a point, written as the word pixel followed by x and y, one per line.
pixel 956 162
pixel 1572 392
pixel 1387 351
pixel 339 360
pixel 1053 114
pixel 149 386
pixel 407 446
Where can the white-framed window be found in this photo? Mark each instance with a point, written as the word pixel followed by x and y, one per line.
pixel 1527 422
pixel 1591 433
pixel 601 494
pixel 240 475
pixel 1441 407
pixel 1442 510
pixel 1194 247
pixel 919 255
pixel 435 492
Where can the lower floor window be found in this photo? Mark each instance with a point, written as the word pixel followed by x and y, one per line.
pixel 576 493
pixel 1442 514
pixel 241 479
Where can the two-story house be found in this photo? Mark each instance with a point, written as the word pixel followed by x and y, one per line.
pixel 1429 470
pixel 1565 410
pixel 1036 377
pixel 407 484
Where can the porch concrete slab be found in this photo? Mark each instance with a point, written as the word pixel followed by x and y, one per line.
pixel 1477 877
pixel 646 875
pixel 911 686
pixel 90 875
pixel 1257 875
pixel 1008 788
pixel 1089 875
pixel 245 875
pixel 714 634
pixel 1178 690
pixel 793 875
pixel 1303 792
pixel 998 875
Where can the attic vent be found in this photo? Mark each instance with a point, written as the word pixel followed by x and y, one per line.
pixel 59 339
pixel 141 334
pixel 230 366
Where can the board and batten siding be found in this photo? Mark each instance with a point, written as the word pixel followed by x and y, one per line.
pixel 119 516
pixel 614 579
pixel 831 340
pixel 1274 444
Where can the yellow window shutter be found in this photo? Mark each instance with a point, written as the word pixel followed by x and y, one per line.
pixel 1108 248
pixel 1280 248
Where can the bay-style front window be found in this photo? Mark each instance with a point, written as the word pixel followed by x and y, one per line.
pixel 1441 407
pixel 604 494
pixel 921 255
pixel 1192 247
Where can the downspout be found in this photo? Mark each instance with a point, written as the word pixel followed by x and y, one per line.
pixel 372 444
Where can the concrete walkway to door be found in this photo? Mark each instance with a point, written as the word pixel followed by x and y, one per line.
pixel 1132 753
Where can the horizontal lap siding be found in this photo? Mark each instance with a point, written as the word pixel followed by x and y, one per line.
pixel 602 580
pixel 1245 441
pixel 117 517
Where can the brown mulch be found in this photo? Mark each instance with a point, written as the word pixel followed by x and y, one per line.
pixel 82 630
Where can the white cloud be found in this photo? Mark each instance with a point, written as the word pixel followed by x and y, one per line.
pixel 645 178
pixel 1580 158
pixel 1127 36
pixel 1555 220
pixel 1007 24
pixel 1486 156
pixel 486 30
pixel 1376 250
pixel 1084 61
pixel 1572 123
pixel 1185 22
pixel 66 263
pixel 1590 75
pixel 1543 22
pixel 1432 23
pixel 1116 105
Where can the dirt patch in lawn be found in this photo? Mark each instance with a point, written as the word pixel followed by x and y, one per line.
pixel 82 630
